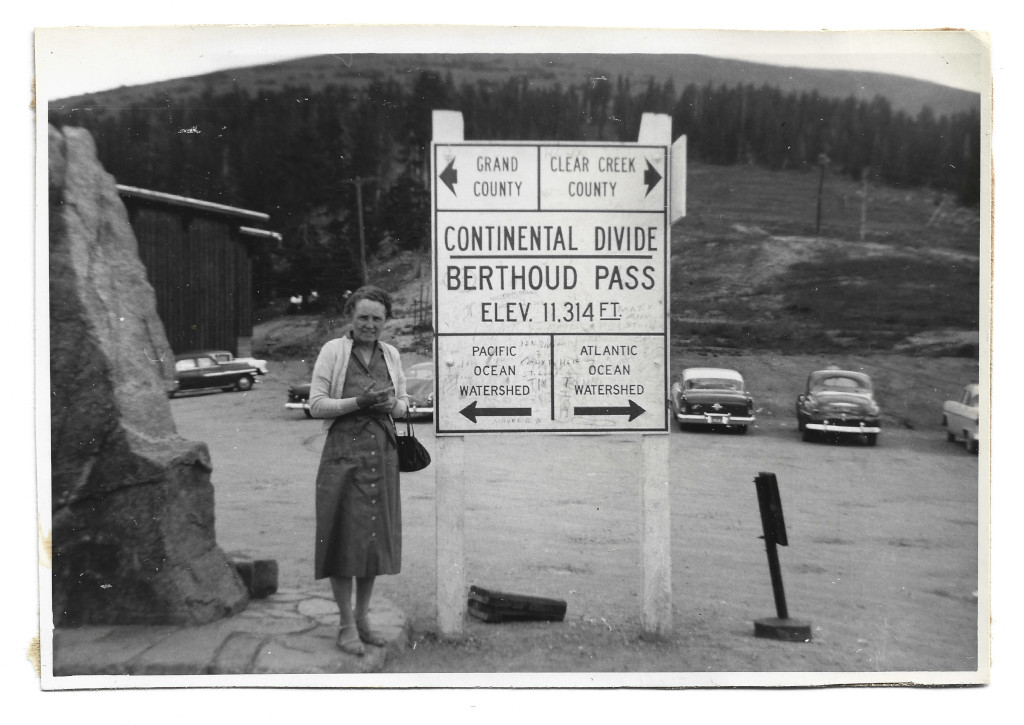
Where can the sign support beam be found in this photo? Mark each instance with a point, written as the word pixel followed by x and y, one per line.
pixel 450 507
pixel 449 476
pixel 656 617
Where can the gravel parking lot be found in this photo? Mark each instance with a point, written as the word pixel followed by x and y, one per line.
pixel 883 557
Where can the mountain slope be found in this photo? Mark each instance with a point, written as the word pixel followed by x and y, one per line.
pixel 544 69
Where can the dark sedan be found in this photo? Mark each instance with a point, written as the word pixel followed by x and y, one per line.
pixel 298 398
pixel 200 371
pixel 838 402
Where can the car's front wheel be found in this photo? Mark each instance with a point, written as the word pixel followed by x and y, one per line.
pixel 306 411
pixel 871 439
pixel 244 383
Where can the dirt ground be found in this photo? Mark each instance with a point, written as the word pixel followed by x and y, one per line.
pixel 884 542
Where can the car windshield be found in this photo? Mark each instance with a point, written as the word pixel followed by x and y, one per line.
pixel 713 384
pixel 419 386
pixel 420 371
pixel 187 364
pixel 842 384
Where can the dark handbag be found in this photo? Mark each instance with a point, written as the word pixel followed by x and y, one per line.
pixel 412 456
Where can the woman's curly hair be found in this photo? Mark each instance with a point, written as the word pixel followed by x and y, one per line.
pixel 371 293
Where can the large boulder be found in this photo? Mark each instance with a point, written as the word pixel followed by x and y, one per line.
pixel 132 502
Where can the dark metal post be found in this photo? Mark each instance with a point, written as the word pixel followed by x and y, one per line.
pixel 774 527
pixel 776 573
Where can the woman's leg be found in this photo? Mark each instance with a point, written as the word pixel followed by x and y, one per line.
pixel 349 640
pixel 342 588
pixel 364 590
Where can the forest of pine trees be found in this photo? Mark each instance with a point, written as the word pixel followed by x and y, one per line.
pixel 290 153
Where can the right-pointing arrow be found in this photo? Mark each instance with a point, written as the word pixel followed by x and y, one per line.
pixel 633 410
pixel 450 176
pixel 651 178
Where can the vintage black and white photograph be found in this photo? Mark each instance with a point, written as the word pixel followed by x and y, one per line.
pixel 448 357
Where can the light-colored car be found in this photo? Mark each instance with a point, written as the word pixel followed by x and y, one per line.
pixel 224 356
pixel 419 384
pixel 712 397
pixel 838 402
pixel 960 418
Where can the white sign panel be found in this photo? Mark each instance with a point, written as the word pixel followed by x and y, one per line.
pixel 551 279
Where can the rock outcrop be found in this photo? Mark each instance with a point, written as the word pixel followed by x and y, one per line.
pixel 132 501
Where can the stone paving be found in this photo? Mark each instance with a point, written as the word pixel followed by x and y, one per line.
pixel 290 632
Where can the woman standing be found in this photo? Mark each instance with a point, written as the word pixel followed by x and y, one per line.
pixel 357 385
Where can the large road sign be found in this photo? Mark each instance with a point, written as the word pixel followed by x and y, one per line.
pixel 550 283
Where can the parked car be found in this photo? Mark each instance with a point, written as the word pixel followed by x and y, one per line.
pixel 298 398
pixel 419 383
pixel 712 396
pixel 199 370
pixel 224 356
pixel 960 418
pixel 838 402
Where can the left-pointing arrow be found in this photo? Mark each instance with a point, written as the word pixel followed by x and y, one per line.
pixel 450 176
pixel 651 177
pixel 632 410
pixel 472 412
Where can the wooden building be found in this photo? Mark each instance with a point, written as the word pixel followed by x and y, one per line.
pixel 199 259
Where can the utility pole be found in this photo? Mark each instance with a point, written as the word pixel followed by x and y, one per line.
pixel 864 202
pixel 358 183
pixel 823 162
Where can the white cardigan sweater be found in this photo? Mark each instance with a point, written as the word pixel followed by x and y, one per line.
pixel 328 380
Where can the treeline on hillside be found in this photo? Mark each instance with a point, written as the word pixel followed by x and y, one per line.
pixel 295 154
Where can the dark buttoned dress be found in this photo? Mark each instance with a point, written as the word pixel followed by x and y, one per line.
pixel 358 507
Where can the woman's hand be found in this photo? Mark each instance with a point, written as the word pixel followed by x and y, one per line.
pixel 373 399
pixel 385 406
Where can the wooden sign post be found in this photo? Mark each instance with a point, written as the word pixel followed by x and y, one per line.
pixel 551 284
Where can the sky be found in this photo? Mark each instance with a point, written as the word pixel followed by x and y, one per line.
pixel 72 61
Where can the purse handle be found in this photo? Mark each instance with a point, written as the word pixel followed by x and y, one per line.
pixel 408 425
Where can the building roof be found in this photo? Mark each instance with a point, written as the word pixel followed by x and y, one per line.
pixel 264 234
pixel 189 203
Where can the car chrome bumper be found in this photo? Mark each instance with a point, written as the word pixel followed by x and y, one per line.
pixel 414 413
pixel 853 429
pixel 297 406
pixel 712 419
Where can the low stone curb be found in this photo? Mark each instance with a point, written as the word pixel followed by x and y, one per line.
pixel 287 633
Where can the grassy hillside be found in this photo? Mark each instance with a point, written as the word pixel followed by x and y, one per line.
pixel 545 69
pixel 749 272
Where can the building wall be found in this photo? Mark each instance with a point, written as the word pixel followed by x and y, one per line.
pixel 201 272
